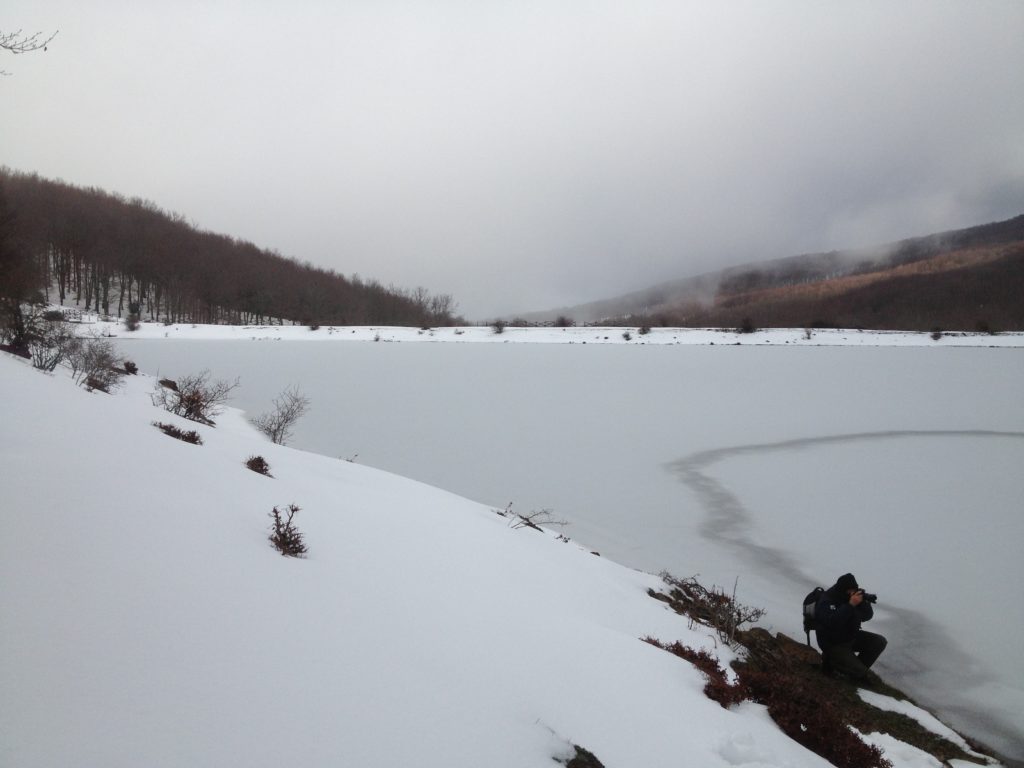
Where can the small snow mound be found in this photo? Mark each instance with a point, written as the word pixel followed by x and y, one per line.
pixel 743 751
pixel 898 752
pixel 926 719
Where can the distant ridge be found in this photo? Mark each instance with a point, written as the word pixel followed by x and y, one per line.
pixel 964 279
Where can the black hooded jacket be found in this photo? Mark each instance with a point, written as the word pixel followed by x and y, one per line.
pixel 837 621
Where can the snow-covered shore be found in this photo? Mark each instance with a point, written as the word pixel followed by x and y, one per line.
pixel 148 622
pixel 571 335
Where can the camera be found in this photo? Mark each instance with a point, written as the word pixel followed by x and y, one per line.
pixel 868 597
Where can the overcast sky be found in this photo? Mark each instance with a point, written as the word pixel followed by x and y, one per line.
pixel 525 155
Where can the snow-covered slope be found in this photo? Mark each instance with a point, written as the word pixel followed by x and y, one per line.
pixel 147 621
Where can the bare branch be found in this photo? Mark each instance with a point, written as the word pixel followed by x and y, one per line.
pixel 17 42
pixel 534 519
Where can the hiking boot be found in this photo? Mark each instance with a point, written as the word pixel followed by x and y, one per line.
pixel 872 682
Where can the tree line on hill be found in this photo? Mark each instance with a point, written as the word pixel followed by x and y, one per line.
pixel 966 280
pixel 121 257
pixel 974 289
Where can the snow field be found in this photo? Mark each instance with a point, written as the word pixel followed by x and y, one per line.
pixel 147 621
pixel 908 454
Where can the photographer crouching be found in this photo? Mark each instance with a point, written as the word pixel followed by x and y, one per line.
pixel 845 647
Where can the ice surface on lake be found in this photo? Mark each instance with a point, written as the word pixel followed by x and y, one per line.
pixel 933 518
pixel 929 521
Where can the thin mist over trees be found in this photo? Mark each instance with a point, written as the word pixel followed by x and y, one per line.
pixel 118 257
pixel 968 279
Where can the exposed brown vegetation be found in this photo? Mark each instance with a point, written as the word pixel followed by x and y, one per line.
pixel 718 688
pixel 169 429
pixel 811 720
pixel 810 707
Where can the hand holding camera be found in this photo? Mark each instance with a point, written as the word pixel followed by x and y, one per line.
pixel 860 596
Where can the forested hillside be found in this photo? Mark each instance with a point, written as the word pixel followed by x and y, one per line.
pixel 970 289
pixel 104 253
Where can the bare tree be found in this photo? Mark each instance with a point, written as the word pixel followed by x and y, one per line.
pixel 290 406
pixel 442 307
pixel 18 42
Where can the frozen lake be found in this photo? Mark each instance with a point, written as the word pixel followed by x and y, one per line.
pixel 782 467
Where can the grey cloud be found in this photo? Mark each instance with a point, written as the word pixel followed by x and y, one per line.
pixel 527 155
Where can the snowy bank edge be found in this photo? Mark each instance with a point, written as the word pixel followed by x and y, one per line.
pixel 625 336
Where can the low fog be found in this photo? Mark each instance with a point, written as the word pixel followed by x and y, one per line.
pixel 530 155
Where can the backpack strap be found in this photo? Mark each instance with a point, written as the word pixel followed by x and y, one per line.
pixel 810 607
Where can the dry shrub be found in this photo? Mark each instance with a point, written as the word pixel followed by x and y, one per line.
pixel 286 538
pixel 195 396
pixel 169 429
pixel 713 607
pixel 258 464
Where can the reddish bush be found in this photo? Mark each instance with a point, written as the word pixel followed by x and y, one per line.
pixel 718 688
pixel 811 719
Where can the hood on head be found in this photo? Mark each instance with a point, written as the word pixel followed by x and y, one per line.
pixel 847 582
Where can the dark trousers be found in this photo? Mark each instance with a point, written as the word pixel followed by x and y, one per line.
pixel 853 658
